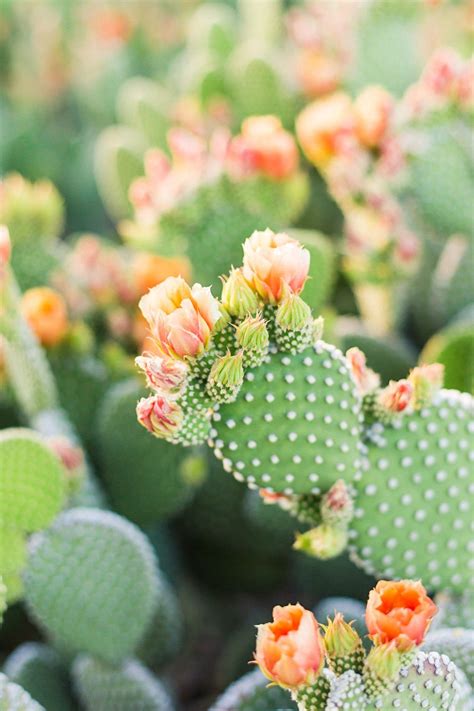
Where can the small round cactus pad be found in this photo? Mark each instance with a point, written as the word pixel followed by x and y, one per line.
pixel 32 482
pixel 296 424
pixel 414 515
pixel 91 583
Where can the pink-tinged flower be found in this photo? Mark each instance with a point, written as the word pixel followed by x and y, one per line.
pixel 397 396
pixel 181 318
pixel 441 72
pixel 318 72
pixel 399 612
pixel 263 147
pixel 157 165
pixel 274 263
pixel 324 126
pixel 367 379
pixel 160 415
pixel 373 109
pixel 163 374
pixel 368 227
pixel 290 651
pixel 5 249
pixel 465 85
pixel 273 497
pixel 186 147
pixel 140 194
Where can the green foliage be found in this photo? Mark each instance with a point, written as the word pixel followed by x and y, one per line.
pixel 454 348
pixel 92 583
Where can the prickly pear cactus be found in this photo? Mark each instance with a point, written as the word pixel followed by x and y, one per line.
pixel 14 698
pixel 40 671
pixel 100 566
pixel 458 644
pixel 118 688
pixel 164 637
pixel 415 493
pixel 252 693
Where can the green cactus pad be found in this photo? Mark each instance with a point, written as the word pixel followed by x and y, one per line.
pixel 454 611
pixel 131 686
pixel 252 693
pixel 413 513
pixel 453 347
pixel 147 479
pixel 295 426
pixel 143 105
pixel 432 681
pixel 32 482
pixel 14 698
pixel 39 670
pixel 91 583
pixel 12 550
pixel 164 636
pixel 457 644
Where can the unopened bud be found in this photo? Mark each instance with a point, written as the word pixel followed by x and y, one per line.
pixel 367 379
pixel 252 337
pixel 426 381
pixel 237 296
pixel 318 328
pixel 226 377
pixel 322 542
pixel 160 415
pixel 343 645
pixel 72 458
pixel 337 506
pixel 163 374
pixel 382 668
pixel 294 324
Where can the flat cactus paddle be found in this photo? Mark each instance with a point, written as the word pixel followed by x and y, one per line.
pixel 14 698
pixel 91 583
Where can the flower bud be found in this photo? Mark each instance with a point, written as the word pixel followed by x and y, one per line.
pixel 367 379
pixel 45 311
pixel 318 328
pixel 426 381
pixel 237 296
pixel 343 646
pixel 337 506
pixel 322 542
pixel 294 323
pixel 5 247
pixel 160 416
pixel 226 377
pixel 381 669
pixel 396 397
pixel 252 337
pixel 71 457
pixel 163 374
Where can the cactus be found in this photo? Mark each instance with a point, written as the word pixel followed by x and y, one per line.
pixel 428 448
pixel 457 644
pixel 129 686
pixel 165 633
pixel 166 477
pixel 252 693
pixel 39 670
pixel 144 106
pixel 14 698
pixel 101 567
pixel 453 346
pixel 392 358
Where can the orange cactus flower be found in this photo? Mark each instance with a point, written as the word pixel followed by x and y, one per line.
pixel 46 313
pixel 148 270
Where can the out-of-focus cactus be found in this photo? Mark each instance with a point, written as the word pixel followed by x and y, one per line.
pixel 453 346
pixel 252 693
pixel 165 478
pixel 145 106
pixel 165 632
pixel 14 698
pixel 118 688
pixel 101 567
pixel 40 671
pixel 34 215
pixel 458 644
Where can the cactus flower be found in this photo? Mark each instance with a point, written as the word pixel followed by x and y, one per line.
pixel 274 263
pixel 151 269
pixel 159 415
pixel 238 297
pixel 399 612
pixel 397 396
pixel 263 147
pixel 45 311
pixel 373 109
pixel 163 374
pixel 367 379
pixel 323 125
pixel 426 381
pixel 290 651
pixel 5 247
pixel 181 318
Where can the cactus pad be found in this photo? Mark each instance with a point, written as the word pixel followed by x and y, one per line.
pixel 100 567
pixel 308 400
pixel 413 517
pixel 457 644
pixel 32 483
pixel 131 686
pixel 14 698
pixel 252 693
pixel 163 638
pixel 38 669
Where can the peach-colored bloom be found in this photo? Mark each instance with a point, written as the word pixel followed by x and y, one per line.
pixel 274 263
pixel 399 611
pixel 373 109
pixel 397 396
pixel 5 247
pixel 160 415
pixel 323 126
pixel 151 269
pixel 263 147
pixel 290 650
pixel 163 374
pixel 181 318
pixel 318 72
pixel 45 311
pixel 366 378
